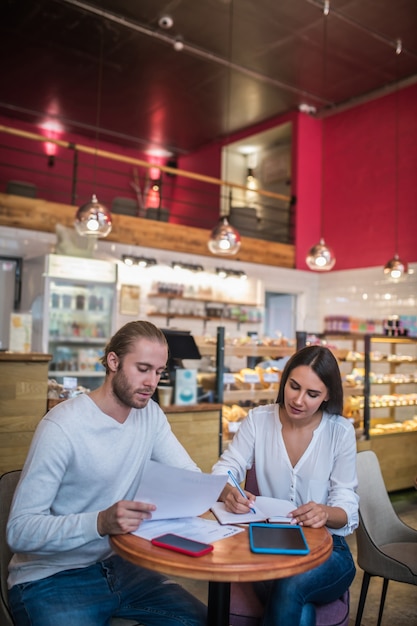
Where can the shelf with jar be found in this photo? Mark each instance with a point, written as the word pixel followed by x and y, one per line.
pixel 211 309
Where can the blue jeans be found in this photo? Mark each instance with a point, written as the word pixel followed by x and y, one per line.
pixel 290 601
pixel 91 596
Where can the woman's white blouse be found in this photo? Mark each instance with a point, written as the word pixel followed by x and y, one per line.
pixel 326 473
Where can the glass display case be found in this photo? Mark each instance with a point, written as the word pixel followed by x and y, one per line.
pixel 72 304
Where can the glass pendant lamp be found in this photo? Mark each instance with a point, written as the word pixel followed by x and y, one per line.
pixel 320 258
pixel 93 219
pixel 224 238
pixel 395 268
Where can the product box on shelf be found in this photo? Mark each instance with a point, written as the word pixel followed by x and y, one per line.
pixel 185 386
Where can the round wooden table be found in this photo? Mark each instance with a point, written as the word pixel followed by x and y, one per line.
pixel 230 561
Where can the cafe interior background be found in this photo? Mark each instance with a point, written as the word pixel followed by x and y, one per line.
pixel 295 121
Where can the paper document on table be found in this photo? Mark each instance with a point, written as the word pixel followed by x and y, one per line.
pixel 266 509
pixel 196 528
pixel 177 492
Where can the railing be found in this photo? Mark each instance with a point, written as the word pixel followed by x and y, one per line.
pixel 67 173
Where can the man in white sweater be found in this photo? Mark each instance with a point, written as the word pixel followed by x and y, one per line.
pixel 77 487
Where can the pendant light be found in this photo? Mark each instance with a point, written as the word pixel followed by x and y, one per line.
pixel 320 258
pixel 224 238
pixel 395 268
pixel 93 219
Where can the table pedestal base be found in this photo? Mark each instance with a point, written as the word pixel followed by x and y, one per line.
pixel 218 604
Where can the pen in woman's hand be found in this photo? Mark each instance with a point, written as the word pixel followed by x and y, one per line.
pixel 238 487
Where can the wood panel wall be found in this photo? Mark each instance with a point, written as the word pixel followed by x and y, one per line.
pixel 40 215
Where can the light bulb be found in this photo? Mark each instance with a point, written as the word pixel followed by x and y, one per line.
pixel 93 219
pixel 320 257
pixel 395 268
pixel 224 239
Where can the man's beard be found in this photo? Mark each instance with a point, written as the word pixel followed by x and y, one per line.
pixel 125 393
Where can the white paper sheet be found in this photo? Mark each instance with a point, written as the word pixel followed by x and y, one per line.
pixel 266 509
pixel 196 528
pixel 177 492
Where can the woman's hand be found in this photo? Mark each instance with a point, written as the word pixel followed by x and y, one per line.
pixel 317 515
pixel 123 517
pixel 235 502
pixel 311 514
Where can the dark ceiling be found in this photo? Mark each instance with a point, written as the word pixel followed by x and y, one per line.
pixel 112 65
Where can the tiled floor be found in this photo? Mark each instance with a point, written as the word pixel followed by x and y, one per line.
pixel 401 602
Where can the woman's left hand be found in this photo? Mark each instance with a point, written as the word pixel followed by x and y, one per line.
pixel 311 514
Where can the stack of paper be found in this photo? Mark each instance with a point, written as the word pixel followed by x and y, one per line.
pixel 177 492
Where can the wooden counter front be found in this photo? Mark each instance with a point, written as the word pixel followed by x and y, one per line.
pixel 198 427
pixel 23 399
pixel 397 457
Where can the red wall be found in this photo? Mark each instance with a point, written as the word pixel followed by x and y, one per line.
pixel 360 175
pixel 359 201
pixel 307 184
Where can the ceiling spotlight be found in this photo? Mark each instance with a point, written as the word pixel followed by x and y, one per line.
pixel 178 44
pixel 223 272
pixel 307 108
pixel 128 260
pixel 166 22
pixel 93 219
pixel 178 265
pixel 142 261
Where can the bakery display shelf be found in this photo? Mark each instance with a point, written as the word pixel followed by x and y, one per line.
pixel 395 359
pixel 77 373
pixel 245 350
pixel 378 404
pixel 250 395
pixel 381 403
pixel 359 389
pixel 353 391
pixel 397 351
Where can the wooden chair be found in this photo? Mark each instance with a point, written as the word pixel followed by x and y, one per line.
pixel 246 608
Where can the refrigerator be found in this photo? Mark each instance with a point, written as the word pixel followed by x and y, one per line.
pixel 73 302
pixel 10 294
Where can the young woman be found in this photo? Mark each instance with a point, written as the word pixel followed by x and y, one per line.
pixel 305 451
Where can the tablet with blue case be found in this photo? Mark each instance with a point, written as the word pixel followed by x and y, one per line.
pixel 277 539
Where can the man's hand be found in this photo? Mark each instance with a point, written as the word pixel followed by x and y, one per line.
pixel 123 517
